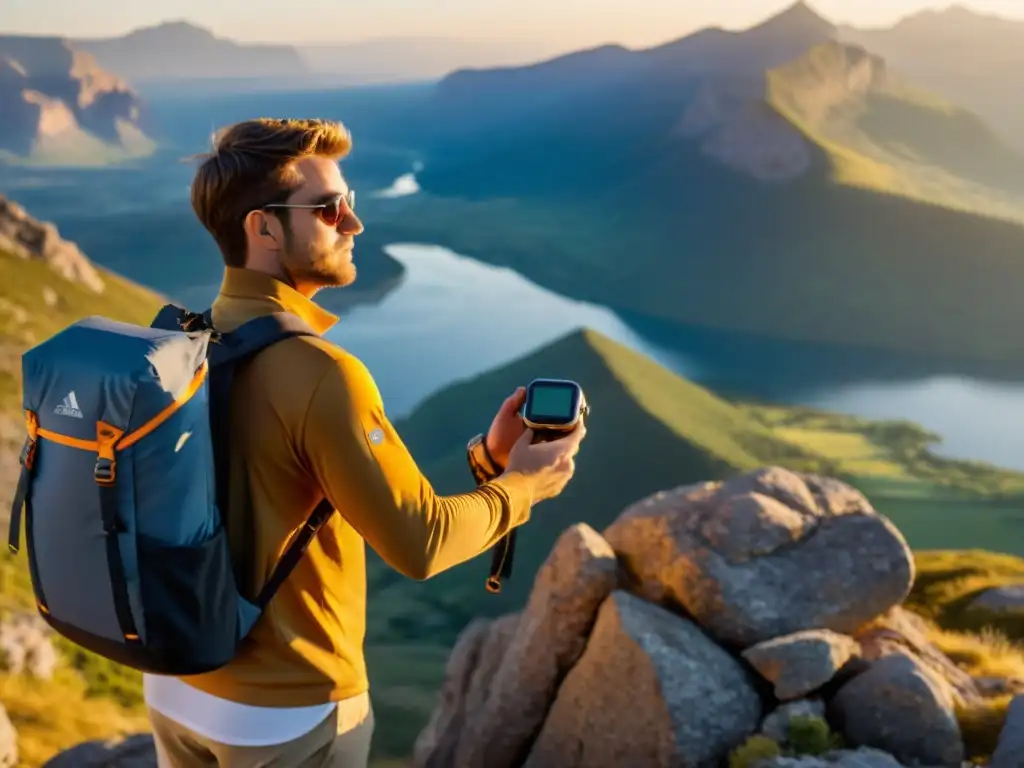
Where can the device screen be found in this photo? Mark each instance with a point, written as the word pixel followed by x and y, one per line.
pixel 552 403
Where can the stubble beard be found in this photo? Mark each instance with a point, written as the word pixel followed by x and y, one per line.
pixel 326 268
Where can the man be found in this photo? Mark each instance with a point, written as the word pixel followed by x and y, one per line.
pixel 308 423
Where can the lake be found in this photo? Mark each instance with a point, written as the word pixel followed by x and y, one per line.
pixel 453 317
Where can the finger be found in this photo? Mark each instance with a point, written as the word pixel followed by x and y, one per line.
pixel 577 435
pixel 526 437
pixel 513 401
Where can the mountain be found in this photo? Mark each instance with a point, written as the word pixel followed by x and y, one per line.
pixel 405 59
pixel 972 58
pixel 179 50
pixel 60 106
pixel 772 181
pixel 651 429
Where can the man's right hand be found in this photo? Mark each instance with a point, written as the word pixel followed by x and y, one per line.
pixel 551 465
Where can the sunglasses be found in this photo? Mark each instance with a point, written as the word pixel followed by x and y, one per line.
pixel 332 212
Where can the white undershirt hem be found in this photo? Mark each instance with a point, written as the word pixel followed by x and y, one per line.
pixel 228 722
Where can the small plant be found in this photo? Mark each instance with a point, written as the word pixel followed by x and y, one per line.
pixel 811 735
pixel 750 753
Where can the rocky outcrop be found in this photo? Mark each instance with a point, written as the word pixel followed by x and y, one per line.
pixel 1008 599
pixel 26 646
pixel 757 620
pixel 28 238
pixel 1009 752
pixel 766 555
pixel 617 660
pixel 60 105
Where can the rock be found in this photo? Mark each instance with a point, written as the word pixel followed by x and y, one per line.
pixel 28 238
pixel 26 646
pixel 802 662
pixel 570 586
pixel 650 689
pixel 1009 751
pixel 1008 599
pixel 898 705
pixel 900 631
pixel 861 758
pixel 440 735
pixel 776 725
pixel 137 751
pixel 766 554
pixel 990 687
pixel 471 666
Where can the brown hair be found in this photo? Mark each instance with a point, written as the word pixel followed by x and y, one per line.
pixel 251 166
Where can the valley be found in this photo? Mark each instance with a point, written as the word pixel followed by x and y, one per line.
pixel 719 237
pixel 786 185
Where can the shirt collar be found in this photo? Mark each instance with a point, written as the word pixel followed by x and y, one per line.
pixel 257 287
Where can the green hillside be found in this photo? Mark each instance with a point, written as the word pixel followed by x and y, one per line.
pixel 884 134
pixel 651 429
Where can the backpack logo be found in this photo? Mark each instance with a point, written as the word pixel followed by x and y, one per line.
pixel 69 407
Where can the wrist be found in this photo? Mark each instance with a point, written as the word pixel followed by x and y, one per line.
pixel 493 456
pixel 481 464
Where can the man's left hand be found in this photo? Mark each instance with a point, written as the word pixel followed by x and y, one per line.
pixel 506 428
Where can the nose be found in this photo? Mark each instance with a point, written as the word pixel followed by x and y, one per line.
pixel 350 224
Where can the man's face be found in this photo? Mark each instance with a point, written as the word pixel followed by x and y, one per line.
pixel 316 254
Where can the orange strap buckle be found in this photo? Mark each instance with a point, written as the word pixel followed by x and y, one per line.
pixel 107 436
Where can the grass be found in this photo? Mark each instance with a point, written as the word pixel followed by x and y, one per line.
pixel 51 716
pixel 981 726
pixel 983 644
pixel 948 582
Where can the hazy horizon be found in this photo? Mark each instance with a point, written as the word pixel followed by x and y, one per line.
pixel 570 24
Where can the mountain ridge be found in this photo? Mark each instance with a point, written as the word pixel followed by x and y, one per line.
pixel 727 191
pixel 181 50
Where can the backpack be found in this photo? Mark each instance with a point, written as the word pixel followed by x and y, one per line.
pixel 123 479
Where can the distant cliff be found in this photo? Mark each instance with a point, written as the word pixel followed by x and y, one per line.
pixel 182 51
pixel 60 106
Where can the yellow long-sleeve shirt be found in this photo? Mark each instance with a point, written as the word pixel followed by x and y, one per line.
pixel 307 420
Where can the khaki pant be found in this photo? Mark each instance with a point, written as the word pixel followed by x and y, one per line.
pixel 334 743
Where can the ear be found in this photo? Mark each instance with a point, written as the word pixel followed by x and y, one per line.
pixel 263 229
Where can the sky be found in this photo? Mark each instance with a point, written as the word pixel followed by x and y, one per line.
pixel 560 23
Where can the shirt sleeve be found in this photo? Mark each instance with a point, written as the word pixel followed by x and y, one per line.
pixel 367 473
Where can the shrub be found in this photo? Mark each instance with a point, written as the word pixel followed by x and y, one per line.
pixel 810 735
pixel 751 752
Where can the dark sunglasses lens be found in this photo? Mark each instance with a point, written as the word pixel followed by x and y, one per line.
pixel 332 213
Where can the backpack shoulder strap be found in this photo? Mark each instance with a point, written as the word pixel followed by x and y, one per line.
pixel 226 352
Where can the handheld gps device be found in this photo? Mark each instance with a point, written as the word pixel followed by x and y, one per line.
pixel 552 409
